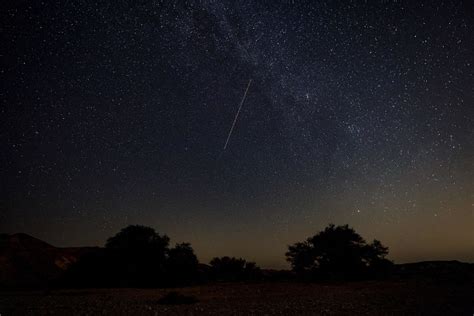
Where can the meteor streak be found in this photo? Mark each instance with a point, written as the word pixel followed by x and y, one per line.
pixel 237 115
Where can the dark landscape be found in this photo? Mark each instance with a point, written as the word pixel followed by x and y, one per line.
pixel 31 268
pixel 407 297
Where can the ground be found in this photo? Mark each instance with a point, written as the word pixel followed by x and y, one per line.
pixel 359 298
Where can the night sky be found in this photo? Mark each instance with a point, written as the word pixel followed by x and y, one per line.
pixel 359 112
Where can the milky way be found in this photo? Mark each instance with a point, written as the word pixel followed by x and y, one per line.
pixel 360 112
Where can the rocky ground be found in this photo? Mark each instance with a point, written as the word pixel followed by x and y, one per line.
pixel 408 297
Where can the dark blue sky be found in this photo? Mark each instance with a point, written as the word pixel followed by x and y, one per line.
pixel 116 113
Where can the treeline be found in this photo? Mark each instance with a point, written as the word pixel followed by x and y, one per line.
pixel 138 256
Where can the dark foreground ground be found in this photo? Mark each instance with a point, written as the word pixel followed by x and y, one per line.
pixel 408 297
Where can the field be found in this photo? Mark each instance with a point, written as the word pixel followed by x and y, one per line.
pixel 407 297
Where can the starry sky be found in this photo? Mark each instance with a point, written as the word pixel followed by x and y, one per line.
pixel 359 112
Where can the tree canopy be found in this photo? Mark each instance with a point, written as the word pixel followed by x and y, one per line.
pixel 336 252
pixel 138 237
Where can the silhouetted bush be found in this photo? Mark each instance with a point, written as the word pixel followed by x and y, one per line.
pixel 233 269
pixel 182 265
pixel 338 252
pixel 96 269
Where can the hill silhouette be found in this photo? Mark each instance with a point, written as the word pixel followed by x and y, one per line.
pixel 26 261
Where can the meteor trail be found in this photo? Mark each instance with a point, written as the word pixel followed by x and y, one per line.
pixel 237 115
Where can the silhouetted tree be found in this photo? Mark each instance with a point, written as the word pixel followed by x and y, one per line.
pixel 337 252
pixel 233 269
pixel 139 238
pixel 135 256
pixel 182 264
pixel 140 254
